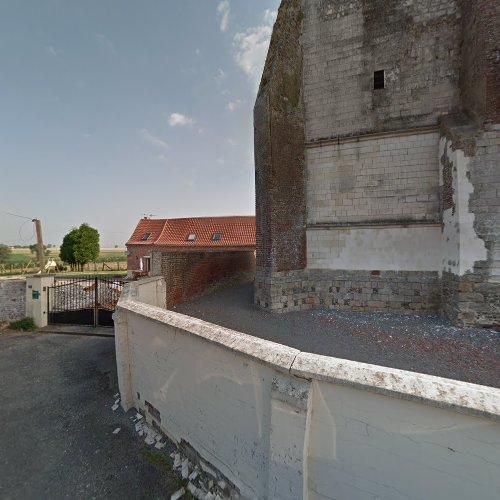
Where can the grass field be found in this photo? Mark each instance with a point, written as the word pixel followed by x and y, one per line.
pixel 22 256
pixel 22 260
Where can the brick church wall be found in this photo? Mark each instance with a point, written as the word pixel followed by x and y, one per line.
pixel 341 165
pixel 279 149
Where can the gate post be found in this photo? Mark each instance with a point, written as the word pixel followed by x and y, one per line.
pixel 37 289
pixel 123 358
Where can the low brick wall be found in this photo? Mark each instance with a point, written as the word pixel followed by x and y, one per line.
pixel 380 291
pixel 12 299
pixel 188 274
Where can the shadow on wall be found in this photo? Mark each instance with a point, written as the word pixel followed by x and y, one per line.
pixel 191 274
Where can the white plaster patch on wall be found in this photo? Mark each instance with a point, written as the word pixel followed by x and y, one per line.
pixel 416 248
pixel 462 247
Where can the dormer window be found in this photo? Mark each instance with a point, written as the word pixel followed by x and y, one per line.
pixel 146 237
pixel 217 237
pixel 191 237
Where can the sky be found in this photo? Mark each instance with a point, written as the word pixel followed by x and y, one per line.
pixel 115 109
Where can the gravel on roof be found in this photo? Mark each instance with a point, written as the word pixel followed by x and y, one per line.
pixel 426 344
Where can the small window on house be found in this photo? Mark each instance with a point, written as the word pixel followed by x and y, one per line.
pixel 379 79
pixel 146 237
pixel 191 237
pixel 217 237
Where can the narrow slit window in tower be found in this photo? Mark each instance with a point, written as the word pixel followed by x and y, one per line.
pixel 379 79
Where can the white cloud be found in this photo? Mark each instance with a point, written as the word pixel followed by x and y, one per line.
pixel 152 139
pixel 270 16
pixel 106 43
pixel 232 142
pixel 180 120
pixel 51 50
pixel 197 52
pixel 223 10
pixel 250 47
pixel 220 76
pixel 232 106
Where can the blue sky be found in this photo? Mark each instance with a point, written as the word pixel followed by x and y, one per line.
pixel 111 109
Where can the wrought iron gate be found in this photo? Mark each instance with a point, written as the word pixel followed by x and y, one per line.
pixel 88 300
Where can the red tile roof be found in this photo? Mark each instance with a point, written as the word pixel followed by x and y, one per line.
pixel 236 231
pixel 145 226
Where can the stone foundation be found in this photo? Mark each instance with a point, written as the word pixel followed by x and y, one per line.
pixel 471 301
pixel 364 291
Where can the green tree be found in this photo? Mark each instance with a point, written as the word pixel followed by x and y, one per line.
pixel 5 252
pixel 67 250
pixel 79 246
pixel 87 247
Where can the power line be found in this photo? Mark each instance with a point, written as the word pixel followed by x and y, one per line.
pixel 27 219
pixel 20 231
pixel 17 215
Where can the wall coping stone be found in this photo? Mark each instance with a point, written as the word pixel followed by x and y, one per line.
pixel 472 399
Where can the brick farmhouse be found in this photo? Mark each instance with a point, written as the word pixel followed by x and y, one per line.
pixel 192 253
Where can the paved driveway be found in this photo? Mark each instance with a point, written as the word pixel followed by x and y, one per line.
pixel 56 424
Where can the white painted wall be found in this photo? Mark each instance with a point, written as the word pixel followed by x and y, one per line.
pixel 461 245
pixel 285 424
pixel 36 303
pixel 413 248
pixel 365 446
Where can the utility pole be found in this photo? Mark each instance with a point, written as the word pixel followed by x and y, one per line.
pixel 39 242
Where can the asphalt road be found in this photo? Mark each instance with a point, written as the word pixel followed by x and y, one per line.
pixel 56 424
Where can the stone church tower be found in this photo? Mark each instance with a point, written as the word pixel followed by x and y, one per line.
pixel 377 153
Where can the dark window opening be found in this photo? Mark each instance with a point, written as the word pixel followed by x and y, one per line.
pixel 191 237
pixel 146 237
pixel 217 237
pixel 379 79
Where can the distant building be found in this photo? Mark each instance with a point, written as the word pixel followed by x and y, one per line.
pixel 377 153
pixel 193 253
